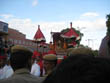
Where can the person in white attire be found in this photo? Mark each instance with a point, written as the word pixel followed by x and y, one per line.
pixel 35 69
pixel 5 69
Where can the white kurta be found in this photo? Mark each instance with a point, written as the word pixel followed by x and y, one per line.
pixel 6 72
pixel 35 70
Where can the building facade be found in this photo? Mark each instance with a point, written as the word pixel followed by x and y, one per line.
pixel 17 38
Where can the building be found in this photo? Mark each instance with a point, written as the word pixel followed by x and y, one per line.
pixel 3 30
pixel 17 38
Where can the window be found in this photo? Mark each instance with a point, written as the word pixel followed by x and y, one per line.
pixel 19 41
pixel 24 42
pixel 15 41
pixel 30 43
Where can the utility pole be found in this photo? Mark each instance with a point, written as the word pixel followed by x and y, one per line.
pixel 90 40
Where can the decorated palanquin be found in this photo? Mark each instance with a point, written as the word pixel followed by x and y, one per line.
pixel 65 39
pixel 39 38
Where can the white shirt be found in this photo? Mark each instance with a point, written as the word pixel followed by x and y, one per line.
pixel 35 70
pixel 6 72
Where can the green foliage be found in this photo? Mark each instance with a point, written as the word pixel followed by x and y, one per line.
pixel 108 17
pixel 65 30
pixel 95 52
pixel 81 45
pixel 108 24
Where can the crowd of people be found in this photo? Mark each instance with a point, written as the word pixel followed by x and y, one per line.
pixel 24 64
pixel 80 66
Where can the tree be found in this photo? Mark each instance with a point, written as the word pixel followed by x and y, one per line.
pixel 108 24
pixel 95 52
pixel 108 20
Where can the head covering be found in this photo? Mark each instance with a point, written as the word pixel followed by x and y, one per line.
pixel 50 57
pixel 81 50
pixel 64 57
pixel 35 53
pixel 20 48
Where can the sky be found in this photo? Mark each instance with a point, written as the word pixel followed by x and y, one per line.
pixel 88 16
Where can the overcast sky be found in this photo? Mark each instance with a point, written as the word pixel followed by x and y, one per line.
pixel 55 15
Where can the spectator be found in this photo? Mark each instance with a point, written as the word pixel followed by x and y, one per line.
pixel 37 56
pixel 49 63
pixel 81 69
pixel 80 50
pixel 35 70
pixel 20 61
pixel 5 69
